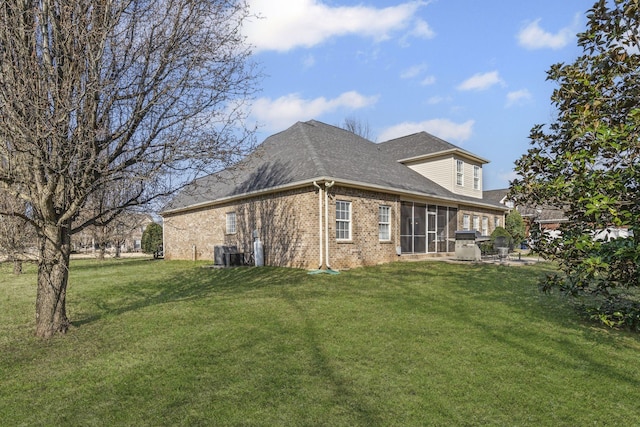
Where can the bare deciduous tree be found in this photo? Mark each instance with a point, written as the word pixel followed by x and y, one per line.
pixel 17 235
pixel 358 127
pixel 102 93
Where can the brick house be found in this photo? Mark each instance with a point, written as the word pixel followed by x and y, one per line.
pixel 322 197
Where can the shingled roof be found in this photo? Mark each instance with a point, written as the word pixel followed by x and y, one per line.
pixel 420 145
pixel 314 151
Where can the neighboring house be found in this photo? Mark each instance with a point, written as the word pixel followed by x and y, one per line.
pixel 125 231
pixel 543 217
pixel 321 196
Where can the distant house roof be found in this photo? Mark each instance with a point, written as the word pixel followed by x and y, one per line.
pixel 543 214
pixel 540 214
pixel 496 196
pixel 315 151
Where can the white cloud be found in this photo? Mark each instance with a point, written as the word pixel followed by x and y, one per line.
pixel 422 30
pixel 429 80
pixel 277 114
pixel 286 24
pixel 417 70
pixel 481 81
pixel 532 36
pixel 413 71
pixel 308 61
pixel 442 128
pixel 518 97
pixel 434 100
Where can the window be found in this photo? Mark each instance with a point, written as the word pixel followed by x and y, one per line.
pixel 476 177
pixel 466 223
pixel 476 222
pixel 231 223
pixel 485 226
pixel 496 222
pixel 343 220
pixel 384 223
pixel 459 172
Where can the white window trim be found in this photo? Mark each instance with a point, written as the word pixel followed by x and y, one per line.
pixel 476 223
pixel 346 221
pixel 231 223
pixel 459 172
pixel 485 225
pixel 476 177
pixel 466 222
pixel 386 223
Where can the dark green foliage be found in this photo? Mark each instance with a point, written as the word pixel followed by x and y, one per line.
pixel 514 224
pixel 587 162
pixel 489 247
pixel 152 238
pixel 502 232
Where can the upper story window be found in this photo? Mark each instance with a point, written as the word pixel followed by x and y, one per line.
pixel 231 223
pixel 384 223
pixel 476 177
pixel 459 172
pixel 343 220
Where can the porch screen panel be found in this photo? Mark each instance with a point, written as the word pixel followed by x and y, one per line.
pixel 442 231
pixel 406 227
pixel 419 228
pixel 427 228
pixel 452 226
pixel 431 229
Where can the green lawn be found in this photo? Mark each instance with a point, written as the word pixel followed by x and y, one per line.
pixel 429 343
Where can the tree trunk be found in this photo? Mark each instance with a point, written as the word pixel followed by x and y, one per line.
pixel 53 274
pixel 17 267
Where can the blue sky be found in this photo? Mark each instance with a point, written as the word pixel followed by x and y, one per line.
pixel 471 72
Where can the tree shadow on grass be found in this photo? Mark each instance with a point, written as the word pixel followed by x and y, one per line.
pixel 342 394
pixel 501 286
pixel 192 284
pixel 502 305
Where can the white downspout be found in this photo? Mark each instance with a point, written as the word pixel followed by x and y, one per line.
pixel 327 185
pixel 319 219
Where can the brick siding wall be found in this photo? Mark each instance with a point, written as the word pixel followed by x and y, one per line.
pixel 287 223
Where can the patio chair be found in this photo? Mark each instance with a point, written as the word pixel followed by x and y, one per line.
pixel 501 247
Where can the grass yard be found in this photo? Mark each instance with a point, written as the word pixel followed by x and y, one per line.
pixel 406 344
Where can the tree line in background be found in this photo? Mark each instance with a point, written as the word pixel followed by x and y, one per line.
pixel 126 232
pixel 586 163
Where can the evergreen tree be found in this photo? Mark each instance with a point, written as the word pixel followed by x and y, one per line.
pixel 587 163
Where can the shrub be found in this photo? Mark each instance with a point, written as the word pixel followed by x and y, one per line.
pixel 152 238
pixel 502 232
pixel 514 224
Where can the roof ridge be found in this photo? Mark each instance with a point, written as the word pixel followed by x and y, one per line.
pixel 315 158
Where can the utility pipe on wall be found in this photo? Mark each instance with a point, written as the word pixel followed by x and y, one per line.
pixel 327 185
pixel 319 219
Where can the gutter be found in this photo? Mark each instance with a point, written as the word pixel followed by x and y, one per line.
pixel 445 153
pixel 327 185
pixel 315 184
pixel 346 183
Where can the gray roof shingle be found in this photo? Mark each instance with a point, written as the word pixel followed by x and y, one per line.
pixel 314 150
